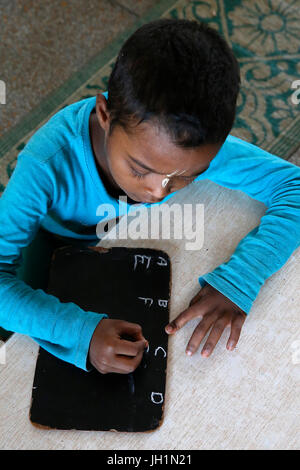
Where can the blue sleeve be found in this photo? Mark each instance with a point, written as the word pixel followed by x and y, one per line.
pixel 275 182
pixel 63 329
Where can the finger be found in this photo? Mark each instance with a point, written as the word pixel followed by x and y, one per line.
pixel 200 331
pixel 131 329
pixel 196 298
pixel 106 368
pixel 202 293
pixel 114 370
pixel 130 348
pixel 127 364
pixel 119 364
pixel 235 332
pixel 214 335
pixel 196 310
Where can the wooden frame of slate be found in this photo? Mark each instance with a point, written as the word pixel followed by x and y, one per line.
pixel 131 284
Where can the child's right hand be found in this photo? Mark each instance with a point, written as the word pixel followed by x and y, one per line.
pixel 110 353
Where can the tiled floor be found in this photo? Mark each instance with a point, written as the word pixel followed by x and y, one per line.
pixel 295 158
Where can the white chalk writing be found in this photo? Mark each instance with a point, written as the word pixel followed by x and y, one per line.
pixel 163 261
pixel 142 259
pixel 161 302
pixel 159 397
pixel 159 347
pixel 146 299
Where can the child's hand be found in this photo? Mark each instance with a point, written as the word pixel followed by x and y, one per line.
pixel 110 353
pixel 216 312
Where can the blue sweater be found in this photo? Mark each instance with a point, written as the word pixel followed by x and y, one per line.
pixel 56 185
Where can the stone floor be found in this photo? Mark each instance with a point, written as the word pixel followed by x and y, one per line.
pixel 43 42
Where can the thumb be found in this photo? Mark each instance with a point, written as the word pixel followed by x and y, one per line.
pixel 142 344
pixel 197 296
pixel 133 332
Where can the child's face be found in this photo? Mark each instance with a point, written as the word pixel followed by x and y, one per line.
pixel 140 163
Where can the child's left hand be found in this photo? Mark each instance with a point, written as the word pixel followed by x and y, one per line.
pixel 216 312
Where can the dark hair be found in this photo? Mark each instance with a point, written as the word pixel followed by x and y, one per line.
pixel 179 74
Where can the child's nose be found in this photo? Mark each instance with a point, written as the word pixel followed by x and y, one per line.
pixel 157 191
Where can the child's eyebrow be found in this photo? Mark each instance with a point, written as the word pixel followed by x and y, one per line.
pixel 153 171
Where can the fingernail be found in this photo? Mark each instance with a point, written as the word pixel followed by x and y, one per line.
pixel 205 352
pixel 169 328
pixel 231 345
pixel 189 352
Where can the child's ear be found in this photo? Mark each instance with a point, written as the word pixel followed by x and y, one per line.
pixel 102 111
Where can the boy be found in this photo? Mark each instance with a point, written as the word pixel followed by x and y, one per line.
pixel 164 123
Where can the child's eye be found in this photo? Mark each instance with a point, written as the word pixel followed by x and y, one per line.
pixel 137 174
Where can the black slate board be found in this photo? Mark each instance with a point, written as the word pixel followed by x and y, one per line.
pixel 115 281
